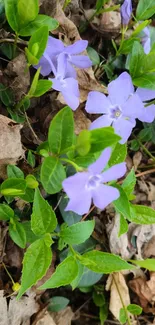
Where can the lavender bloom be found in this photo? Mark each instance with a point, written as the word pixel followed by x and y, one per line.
pixel 145 39
pixel 67 86
pixel 148 114
pixel 55 47
pixel 120 108
pixel 126 11
pixel 85 187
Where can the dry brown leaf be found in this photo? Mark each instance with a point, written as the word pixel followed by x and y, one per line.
pixel 18 312
pixel 44 318
pixel 116 284
pixel 143 234
pixel 81 121
pixel 137 159
pixel 145 290
pixel 149 248
pixel 63 317
pixel 10 141
pixel 118 245
pixel 15 76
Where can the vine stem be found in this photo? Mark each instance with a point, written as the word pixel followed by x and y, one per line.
pixel 8 273
pixel 34 134
pixel 15 45
pixel 121 299
pixel 145 149
pixel 11 40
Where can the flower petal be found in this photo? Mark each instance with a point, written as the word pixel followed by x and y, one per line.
pixel 97 103
pixel 45 66
pixel 61 65
pixel 114 173
pixel 56 84
pixel 123 128
pixel 81 203
pixel 101 122
pixel 54 47
pixel 148 114
pixel 145 94
pixel 120 89
pixel 133 107
pixel 77 47
pixel 81 61
pixel 104 195
pixel 70 71
pixel 100 163
pixel 71 93
pixel 75 184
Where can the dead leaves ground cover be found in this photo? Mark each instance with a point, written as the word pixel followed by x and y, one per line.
pixel 16 138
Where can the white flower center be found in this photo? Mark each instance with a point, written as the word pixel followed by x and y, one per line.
pixel 93 182
pixel 116 112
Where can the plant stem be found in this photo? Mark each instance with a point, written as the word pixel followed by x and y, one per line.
pixel 78 168
pixel 145 149
pixel 8 273
pixel 121 299
pixel 11 40
pixel 15 45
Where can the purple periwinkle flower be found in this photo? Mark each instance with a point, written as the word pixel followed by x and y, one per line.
pixel 120 108
pixel 145 39
pixel 148 114
pixel 126 11
pixel 86 187
pixel 56 47
pixel 67 86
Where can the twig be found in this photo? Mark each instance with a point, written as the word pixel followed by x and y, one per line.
pixel 11 40
pixel 34 134
pixel 86 215
pixel 150 171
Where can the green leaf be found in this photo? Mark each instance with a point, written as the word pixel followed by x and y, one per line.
pixel 14 172
pixel 100 4
pixel 122 316
pixel 31 159
pixel 27 10
pixel 7 50
pixel 75 282
pixel 42 87
pixel 145 135
pixel 64 274
pixel 126 46
pixel 134 145
pixel 88 278
pixel 118 155
pixel 52 175
pixel 134 309
pixel 34 84
pixel 136 60
pixel 61 131
pixel 77 233
pixel 38 42
pixel 13 187
pixel 58 303
pixel 93 55
pixel 122 203
pixel 6 212
pixel 83 144
pixel 103 138
pixel 87 160
pixel 40 20
pixel 12 14
pixel 129 183
pixel 43 219
pixel 30 57
pixel 69 217
pixel 148 264
pixel 98 298
pixel 142 215
pixel 145 81
pixel 31 181
pixel 28 196
pixel 140 27
pixel 17 233
pixel 123 226
pixel 6 95
pixel 30 236
pixel 37 260
pixel 145 9
pixel 101 262
pixel 103 313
